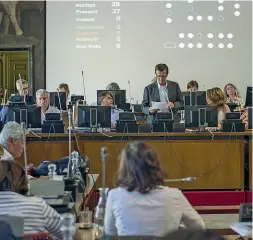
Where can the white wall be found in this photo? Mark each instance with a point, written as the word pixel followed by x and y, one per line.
pixel 143 32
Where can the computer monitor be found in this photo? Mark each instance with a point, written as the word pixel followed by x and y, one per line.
pixel 59 100
pixel 94 116
pixel 30 115
pixel 194 98
pixel 196 116
pixel 119 97
pixel 248 102
pixel 76 98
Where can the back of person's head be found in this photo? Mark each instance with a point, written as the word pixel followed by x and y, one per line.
pixel 12 177
pixel 215 97
pixel 112 86
pixel 185 234
pixel 193 85
pixel 139 169
pixel 11 130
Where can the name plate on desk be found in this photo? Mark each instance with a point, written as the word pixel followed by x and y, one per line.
pixel 47 187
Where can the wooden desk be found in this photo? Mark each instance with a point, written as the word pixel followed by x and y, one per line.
pixel 219 163
pixel 46 147
pixel 217 222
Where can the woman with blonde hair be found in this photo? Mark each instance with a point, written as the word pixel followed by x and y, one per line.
pixel 38 216
pixel 64 87
pixel 216 97
pixel 142 205
pixel 232 94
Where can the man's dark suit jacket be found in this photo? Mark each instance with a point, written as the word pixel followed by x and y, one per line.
pixel 151 94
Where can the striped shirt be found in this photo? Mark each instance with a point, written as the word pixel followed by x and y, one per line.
pixel 38 216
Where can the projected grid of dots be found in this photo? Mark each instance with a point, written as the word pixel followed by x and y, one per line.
pixel 205 40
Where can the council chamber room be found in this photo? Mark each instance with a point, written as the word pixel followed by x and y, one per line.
pixel 126 120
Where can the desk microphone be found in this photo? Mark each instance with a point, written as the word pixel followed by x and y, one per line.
pixel 84 94
pixel 129 92
pixel 24 145
pixel 59 99
pixel 187 179
pixel 104 153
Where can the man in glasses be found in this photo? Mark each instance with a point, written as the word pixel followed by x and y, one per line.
pixel 162 90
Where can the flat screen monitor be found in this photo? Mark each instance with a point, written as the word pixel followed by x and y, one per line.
pixel 30 115
pixel 248 102
pixel 194 98
pixel 94 116
pixel 119 97
pixel 76 98
pixel 196 116
pixel 59 100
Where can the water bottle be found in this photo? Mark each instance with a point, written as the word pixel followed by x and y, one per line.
pixel 51 171
pixel 68 229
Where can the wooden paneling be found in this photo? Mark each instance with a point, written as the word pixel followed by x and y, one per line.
pixel 216 164
pixel 13 64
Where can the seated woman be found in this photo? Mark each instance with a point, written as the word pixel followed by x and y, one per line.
pixel 232 94
pixel 64 87
pixel 216 98
pixel 38 216
pixel 141 205
pixel 192 86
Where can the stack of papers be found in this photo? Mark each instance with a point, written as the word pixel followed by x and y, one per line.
pixel 244 229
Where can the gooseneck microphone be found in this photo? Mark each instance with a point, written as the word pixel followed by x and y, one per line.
pixel 24 145
pixel 104 153
pixel 84 93
pixel 129 92
pixel 70 172
pixel 187 179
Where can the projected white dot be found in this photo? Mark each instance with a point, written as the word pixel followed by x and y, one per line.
pixel 220 8
pixel 237 6
pixel 190 45
pixel 210 45
pixel 168 20
pixel 209 35
pixel 220 1
pixel 199 45
pixel 237 13
pixel 181 45
pixel 199 18
pixel 210 18
pixel 168 5
pixel 190 18
pixel 230 35
pixel 169 12
pixel 220 45
pixel 230 45
pixel 181 35
pixel 220 35
pixel 190 35
pixel 190 1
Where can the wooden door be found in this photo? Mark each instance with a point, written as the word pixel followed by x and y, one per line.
pixel 13 63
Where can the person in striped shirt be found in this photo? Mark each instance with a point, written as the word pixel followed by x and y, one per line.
pixel 38 216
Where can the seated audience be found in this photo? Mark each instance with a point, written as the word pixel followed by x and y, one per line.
pixel 11 140
pixel 43 100
pixel 106 99
pixel 112 86
pixel 142 205
pixel 23 88
pixel 232 94
pixel 38 216
pixel 64 87
pixel 192 86
pixel 216 98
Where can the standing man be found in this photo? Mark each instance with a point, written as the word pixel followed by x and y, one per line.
pixel 162 90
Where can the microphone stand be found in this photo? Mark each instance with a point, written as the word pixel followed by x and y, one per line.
pixel 187 179
pixel 70 173
pixel 84 94
pixel 59 102
pixel 24 144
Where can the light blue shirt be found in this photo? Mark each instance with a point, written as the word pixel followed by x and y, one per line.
pixel 115 115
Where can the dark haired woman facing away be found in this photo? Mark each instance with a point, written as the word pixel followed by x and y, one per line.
pixel 141 205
